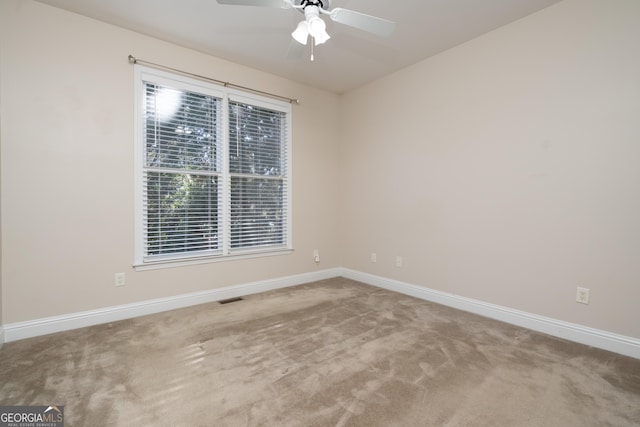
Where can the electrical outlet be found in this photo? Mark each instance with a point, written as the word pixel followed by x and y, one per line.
pixel 119 279
pixel 398 261
pixel 316 256
pixel 582 295
pixel 374 257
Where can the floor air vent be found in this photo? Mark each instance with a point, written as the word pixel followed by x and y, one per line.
pixel 230 300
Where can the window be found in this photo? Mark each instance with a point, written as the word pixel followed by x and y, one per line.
pixel 212 171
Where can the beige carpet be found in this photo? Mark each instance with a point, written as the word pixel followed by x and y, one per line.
pixel 330 353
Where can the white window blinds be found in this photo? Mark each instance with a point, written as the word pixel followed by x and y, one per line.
pixel 213 171
pixel 257 164
pixel 180 178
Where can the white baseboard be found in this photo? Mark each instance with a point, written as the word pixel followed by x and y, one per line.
pixel 593 337
pixel 49 325
pixel 581 334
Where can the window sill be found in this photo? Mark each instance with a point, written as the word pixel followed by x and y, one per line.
pixel 155 265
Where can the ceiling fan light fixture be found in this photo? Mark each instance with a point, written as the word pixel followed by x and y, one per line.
pixel 301 33
pixel 316 26
pixel 321 38
pixel 318 30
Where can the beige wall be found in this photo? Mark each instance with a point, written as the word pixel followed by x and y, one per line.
pixel 67 167
pixel 504 170
pixel 2 23
pixel 507 169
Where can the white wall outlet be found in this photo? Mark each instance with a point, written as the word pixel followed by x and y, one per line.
pixel 582 295
pixel 316 256
pixel 119 279
pixel 374 257
pixel 398 261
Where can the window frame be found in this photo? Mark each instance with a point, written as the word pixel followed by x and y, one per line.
pixel 145 75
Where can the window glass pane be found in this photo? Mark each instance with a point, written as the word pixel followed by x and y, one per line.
pixel 257 212
pixel 180 129
pixel 181 213
pixel 255 140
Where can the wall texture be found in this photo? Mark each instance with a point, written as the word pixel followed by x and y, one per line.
pixel 67 167
pixel 506 169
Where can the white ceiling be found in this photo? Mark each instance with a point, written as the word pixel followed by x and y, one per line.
pixel 260 37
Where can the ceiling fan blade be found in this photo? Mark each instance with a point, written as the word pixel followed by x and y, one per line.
pixel 295 50
pixel 266 3
pixel 362 21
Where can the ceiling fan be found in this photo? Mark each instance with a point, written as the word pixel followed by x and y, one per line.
pixel 314 26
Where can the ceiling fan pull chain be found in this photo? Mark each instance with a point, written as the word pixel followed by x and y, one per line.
pixel 313 42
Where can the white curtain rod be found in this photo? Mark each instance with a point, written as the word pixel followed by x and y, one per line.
pixel 134 60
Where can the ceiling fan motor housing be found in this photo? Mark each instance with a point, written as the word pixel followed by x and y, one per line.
pixel 322 4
